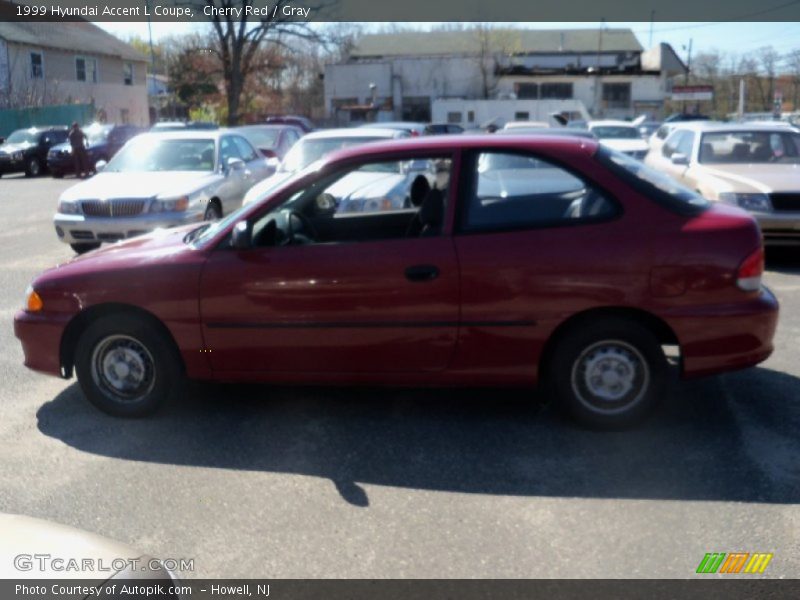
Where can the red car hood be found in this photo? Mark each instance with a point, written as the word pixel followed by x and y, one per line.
pixel 161 246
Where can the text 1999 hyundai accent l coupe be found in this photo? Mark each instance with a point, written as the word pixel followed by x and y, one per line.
pixel 531 259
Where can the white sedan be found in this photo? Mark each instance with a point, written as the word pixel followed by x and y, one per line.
pixel 621 136
pixel 159 180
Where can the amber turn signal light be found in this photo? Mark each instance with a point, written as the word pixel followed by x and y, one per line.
pixel 34 303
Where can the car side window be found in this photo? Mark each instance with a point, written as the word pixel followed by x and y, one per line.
pixel 246 151
pixel 685 144
pixel 373 201
pixel 517 191
pixel 228 150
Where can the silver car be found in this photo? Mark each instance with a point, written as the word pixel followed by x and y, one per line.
pixel 159 180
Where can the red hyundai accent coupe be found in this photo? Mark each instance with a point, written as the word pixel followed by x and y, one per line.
pixel 509 261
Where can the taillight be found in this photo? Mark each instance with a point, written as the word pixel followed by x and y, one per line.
pixel 748 275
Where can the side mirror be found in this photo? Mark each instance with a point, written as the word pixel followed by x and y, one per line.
pixel 99 166
pixel 679 159
pixel 242 236
pixel 273 163
pixel 235 164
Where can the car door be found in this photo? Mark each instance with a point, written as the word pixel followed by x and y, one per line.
pixel 384 303
pixel 235 182
pixel 256 164
pixel 536 242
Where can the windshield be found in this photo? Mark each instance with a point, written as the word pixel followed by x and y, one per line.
pixel 154 154
pixel 654 184
pixel 307 151
pixel 751 147
pixel 97 134
pixel 262 138
pixel 616 132
pixel 22 136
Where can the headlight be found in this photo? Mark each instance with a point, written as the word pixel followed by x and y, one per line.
pixel 67 207
pixel 754 202
pixel 17 156
pixel 179 204
pixel 33 302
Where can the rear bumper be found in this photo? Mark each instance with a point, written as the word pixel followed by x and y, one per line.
pixel 720 338
pixel 41 340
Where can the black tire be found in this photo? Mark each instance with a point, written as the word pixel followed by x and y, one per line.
pixel 33 168
pixel 213 212
pixel 144 352
pixel 84 248
pixel 608 374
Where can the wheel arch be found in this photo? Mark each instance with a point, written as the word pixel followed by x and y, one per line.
pixel 79 323
pixel 663 332
pixel 218 203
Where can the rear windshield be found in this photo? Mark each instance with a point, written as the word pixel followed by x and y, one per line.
pixel 616 132
pixel 656 185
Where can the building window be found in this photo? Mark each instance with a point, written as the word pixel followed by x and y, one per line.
pixel 527 91
pixel 522 116
pixel 127 73
pixel 617 95
pixel 86 69
pixel 556 91
pixel 454 117
pixel 471 116
pixel 417 108
pixel 37 65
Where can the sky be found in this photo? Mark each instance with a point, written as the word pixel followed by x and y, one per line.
pixel 727 37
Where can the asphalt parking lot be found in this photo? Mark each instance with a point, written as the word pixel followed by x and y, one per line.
pixel 316 482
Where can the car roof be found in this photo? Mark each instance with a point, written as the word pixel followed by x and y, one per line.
pixel 266 126
pixel 350 132
pixel 185 134
pixel 552 131
pixel 610 123
pixel 446 143
pixel 708 126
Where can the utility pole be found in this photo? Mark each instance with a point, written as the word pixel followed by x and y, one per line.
pixel 688 69
pixel 152 55
pixel 598 97
pixel 652 18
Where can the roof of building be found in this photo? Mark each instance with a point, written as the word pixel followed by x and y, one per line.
pixel 77 36
pixel 512 41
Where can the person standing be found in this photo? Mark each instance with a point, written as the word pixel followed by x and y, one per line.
pixel 77 139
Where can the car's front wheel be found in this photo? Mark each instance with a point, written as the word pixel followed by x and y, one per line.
pixel 126 366
pixel 33 168
pixel 610 373
pixel 83 248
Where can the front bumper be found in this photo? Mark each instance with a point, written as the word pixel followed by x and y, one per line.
pixel 79 229
pixel 8 165
pixel 41 340
pixel 779 228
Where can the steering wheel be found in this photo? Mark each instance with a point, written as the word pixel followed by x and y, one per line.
pixel 308 235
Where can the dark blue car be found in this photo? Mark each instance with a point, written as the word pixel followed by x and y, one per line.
pixel 102 142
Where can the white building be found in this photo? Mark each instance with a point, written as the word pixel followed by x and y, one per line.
pixel 400 75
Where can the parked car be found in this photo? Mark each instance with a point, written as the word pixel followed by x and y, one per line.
pixel 159 180
pixel 526 125
pixel 411 128
pixel 648 128
pixel 442 129
pixel 273 141
pixel 296 121
pixel 621 136
pixel 577 279
pixel 315 146
pixel 755 167
pixel 25 150
pixel 182 126
pixel 102 143
pixel 684 117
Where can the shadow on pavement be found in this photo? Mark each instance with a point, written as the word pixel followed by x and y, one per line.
pixel 696 447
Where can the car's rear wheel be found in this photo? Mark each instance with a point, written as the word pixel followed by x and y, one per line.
pixel 83 248
pixel 33 168
pixel 126 366
pixel 609 374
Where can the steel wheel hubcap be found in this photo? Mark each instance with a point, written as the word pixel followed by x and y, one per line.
pixel 123 368
pixel 610 376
